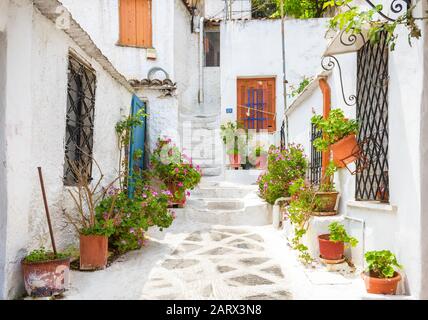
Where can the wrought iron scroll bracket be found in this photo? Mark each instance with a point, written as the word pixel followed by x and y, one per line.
pixel 328 63
pixel 397 6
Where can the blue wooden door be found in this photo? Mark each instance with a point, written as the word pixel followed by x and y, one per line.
pixel 138 136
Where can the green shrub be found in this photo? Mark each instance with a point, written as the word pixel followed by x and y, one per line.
pixel 381 264
pixel 41 255
pixel 339 234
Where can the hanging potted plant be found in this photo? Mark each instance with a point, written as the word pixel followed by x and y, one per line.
pixel 326 195
pixel 381 276
pixel 45 273
pixel 338 134
pixel 332 245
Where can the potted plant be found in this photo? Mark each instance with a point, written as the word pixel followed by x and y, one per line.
pixel 381 276
pixel 332 245
pixel 261 157
pixel 326 195
pixel 45 273
pixel 93 232
pixel 338 134
pixel 235 137
pixel 234 157
pixel 175 169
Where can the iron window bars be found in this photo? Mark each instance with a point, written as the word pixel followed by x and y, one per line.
pixel 372 114
pixel 316 158
pixel 79 120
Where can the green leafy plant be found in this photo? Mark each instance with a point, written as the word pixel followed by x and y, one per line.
pixel 124 138
pixel 381 264
pixel 303 9
pixel 302 85
pixel 41 255
pixel 339 234
pixel 353 20
pixel 334 128
pixel 327 181
pixel 284 166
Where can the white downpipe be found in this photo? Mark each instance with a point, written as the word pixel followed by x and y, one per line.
pixel 201 60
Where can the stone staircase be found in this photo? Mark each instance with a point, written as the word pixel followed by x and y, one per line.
pixel 200 134
pixel 227 203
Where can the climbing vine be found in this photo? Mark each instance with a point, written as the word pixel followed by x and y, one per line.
pixel 353 20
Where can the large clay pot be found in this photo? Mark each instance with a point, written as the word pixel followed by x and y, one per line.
pixel 327 201
pixel 381 285
pixel 47 278
pixel 345 151
pixel 235 160
pixel 261 162
pixel 93 252
pixel 330 250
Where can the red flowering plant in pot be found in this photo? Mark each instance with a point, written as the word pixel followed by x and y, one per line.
pixel 339 134
pixel 381 276
pixel 175 169
pixel 332 245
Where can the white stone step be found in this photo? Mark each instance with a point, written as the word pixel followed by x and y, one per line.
pixel 222 192
pixel 216 171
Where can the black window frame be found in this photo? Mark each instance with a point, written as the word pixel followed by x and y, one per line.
pixel 372 177
pixel 216 61
pixel 80 116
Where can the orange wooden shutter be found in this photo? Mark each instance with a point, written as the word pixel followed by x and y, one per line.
pixel 136 23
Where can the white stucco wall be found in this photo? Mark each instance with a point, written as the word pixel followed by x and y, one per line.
pixel 36 100
pixel 254 49
pixel 396 227
pixel 100 18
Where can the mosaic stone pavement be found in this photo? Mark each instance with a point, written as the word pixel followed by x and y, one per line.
pixel 219 263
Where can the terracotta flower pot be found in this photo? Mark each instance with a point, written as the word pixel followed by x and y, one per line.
pixel 174 188
pixel 47 278
pixel 327 201
pixel 93 252
pixel 235 160
pixel 381 285
pixel 261 162
pixel 330 250
pixel 345 151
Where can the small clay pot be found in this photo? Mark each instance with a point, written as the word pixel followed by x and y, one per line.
pixel 235 160
pixel 381 285
pixel 345 151
pixel 47 278
pixel 327 200
pixel 93 252
pixel 176 201
pixel 330 250
pixel 261 162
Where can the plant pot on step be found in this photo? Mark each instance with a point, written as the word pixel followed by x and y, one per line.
pixel 93 252
pixel 326 201
pixel 345 151
pixel 330 250
pixel 173 188
pixel 261 162
pixel 381 285
pixel 46 278
pixel 235 160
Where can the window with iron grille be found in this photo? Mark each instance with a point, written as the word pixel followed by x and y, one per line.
pixel 79 121
pixel 372 115
pixel 316 158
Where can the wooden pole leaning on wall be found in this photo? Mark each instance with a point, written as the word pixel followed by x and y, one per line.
pixel 45 201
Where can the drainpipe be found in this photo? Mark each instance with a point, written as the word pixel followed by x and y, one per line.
pixel 201 60
pixel 363 224
pixel 326 93
pixel 284 79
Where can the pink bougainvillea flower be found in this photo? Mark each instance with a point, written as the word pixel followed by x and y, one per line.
pixel 180 184
pixel 187 193
pixel 155 194
pixel 144 195
pixel 177 170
